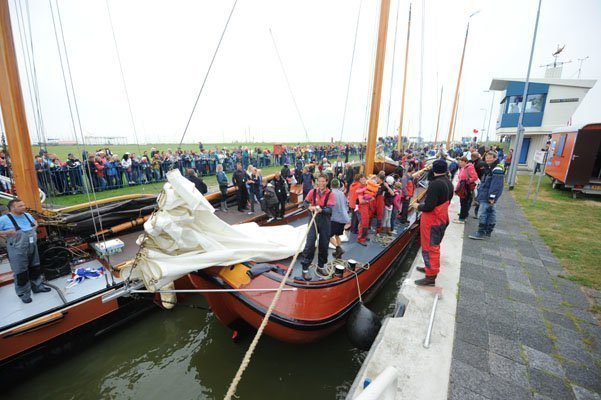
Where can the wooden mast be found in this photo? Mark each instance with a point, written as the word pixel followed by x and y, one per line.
pixel 400 141
pixel 13 113
pixel 451 127
pixel 438 118
pixel 374 115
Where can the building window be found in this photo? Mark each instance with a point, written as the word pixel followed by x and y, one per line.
pixel 514 104
pixel 561 145
pixel 534 103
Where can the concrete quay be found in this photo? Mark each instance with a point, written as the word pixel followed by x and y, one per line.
pixel 507 326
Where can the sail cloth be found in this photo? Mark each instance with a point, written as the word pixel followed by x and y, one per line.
pixel 185 235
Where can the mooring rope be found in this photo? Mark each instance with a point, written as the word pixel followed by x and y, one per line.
pixel 246 360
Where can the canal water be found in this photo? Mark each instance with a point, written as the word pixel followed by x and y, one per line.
pixel 186 353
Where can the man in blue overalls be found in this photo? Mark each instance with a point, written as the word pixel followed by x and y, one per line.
pixel 19 228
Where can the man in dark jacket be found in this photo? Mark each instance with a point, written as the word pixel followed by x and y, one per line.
pixel 434 221
pixel 480 166
pixel 489 193
pixel 239 180
pixel 280 186
pixel 198 182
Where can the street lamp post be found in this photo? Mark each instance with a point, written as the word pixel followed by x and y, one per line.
pixel 520 131
pixel 483 124
pixel 492 104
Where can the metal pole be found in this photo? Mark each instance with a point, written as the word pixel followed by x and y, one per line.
pixel 540 177
pixel 492 104
pixel 520 131
pixel 214 290
pixel 483 124
pixel 429 333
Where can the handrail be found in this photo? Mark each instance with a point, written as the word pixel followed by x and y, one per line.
pixel 381 388
pixel 429 332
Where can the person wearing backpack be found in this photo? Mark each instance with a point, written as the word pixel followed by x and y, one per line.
pixel 465 188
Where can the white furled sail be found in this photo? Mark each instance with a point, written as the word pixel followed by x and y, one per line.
pixel 185 235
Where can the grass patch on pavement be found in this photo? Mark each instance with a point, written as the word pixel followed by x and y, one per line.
pixel 570 227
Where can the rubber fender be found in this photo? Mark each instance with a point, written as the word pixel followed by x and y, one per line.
pixel 362 327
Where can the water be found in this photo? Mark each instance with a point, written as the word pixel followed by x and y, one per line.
pixel 186 353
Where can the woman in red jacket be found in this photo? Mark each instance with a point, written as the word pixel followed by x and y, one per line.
pixel 466 181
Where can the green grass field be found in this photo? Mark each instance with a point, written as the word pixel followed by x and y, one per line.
pixel 63 150
pixel 570 227
pixel 152 188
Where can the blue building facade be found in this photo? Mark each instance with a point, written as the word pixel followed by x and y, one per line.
pixel 512 104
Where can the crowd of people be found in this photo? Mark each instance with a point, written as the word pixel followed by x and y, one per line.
pixel 344 200
pixel 103 170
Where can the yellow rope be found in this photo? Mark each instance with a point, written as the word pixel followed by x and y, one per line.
pixel 246 360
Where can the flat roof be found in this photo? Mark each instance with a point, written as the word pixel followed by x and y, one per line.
pixel 501 84
pixel 574 128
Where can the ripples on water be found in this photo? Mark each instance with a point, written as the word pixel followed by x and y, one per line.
pixel 186 353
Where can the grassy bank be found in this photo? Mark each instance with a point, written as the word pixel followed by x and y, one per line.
pixel 570 227
pixel 152 188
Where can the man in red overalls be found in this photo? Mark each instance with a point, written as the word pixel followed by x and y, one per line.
pixel 434 221
pixel 319 201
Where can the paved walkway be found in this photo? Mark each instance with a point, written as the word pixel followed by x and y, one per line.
pixel 521 332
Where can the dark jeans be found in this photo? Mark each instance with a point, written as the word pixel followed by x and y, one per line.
pixel 242 197
pixel 281 207
pixel 466 203
pixel 323 227
pixel 405 211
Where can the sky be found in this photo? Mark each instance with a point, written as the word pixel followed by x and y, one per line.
pixel 166 48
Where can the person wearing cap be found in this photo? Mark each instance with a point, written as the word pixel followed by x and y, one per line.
pixel 388 195
pixel 434 221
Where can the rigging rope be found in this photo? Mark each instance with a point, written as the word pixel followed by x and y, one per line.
pixel 131 114
pixel 396 24
pixel 348 85
pixel 246 360
pixel 204 81
pixel 289 86
pixel 371 74
pixel 99 216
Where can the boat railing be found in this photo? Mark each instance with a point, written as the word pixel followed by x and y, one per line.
pixel 384 387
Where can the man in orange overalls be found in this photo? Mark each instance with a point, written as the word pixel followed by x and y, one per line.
pixel 434 221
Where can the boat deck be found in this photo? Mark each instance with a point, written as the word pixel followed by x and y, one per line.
pixel 352 249
pixel 13 310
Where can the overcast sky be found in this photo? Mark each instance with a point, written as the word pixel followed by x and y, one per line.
pixel 166 47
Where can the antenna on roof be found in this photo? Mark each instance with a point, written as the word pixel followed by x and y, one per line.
pixel 554 69
pixel 580 61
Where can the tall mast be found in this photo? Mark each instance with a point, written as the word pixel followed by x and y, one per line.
pixel 451 127
pixel 374 114
pixel 15 119
pixel 421 73
pixel 438 118
pixel 399 143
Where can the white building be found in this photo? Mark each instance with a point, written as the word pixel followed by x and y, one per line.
pixel 550 104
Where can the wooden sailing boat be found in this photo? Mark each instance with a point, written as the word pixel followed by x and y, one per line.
pixel 40 331
pixel 313 309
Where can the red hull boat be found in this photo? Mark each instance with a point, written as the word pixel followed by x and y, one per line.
pixel 312 310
